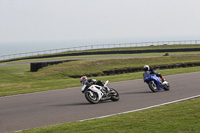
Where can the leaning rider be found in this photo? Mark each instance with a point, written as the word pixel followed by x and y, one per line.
pixel 89 82
pixel 86 81
pixel 150 69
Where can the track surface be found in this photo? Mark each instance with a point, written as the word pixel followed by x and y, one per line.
pixel 33 110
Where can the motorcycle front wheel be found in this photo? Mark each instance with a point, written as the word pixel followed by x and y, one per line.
pixel 167 87
pixel 115 95
pixel 153 86
pixel 91 96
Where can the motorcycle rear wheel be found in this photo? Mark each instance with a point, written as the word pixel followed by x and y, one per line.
pixel 92 99
pixel 153 87
pixel 115 96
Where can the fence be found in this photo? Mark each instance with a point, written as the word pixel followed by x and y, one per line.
pixel 90 47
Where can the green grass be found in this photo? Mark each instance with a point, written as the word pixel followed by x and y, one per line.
pixel 18 79
pixel 140 55
pixel 98 66
pixel 181 117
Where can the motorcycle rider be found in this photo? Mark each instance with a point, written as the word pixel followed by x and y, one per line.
pixel 152 71
pixel 86 81
pixel 89 82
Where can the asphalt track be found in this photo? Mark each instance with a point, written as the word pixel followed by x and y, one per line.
pixel 33 110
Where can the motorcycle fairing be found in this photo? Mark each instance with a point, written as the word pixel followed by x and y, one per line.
pixel 148 77
pixel 93 88
pixel 83 88
pixel 157 80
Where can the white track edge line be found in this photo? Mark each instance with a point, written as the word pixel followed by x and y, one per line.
pixel 143 108
pixel 124 112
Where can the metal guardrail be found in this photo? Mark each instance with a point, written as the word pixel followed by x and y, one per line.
pixel 91 47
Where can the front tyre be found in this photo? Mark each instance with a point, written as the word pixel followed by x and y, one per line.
pixel 91 96
pixel 167 87
pixel 114 95
pixel 153 86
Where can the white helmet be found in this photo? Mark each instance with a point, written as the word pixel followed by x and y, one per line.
pixel 146 68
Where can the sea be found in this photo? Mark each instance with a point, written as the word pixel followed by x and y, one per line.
pixel 25 47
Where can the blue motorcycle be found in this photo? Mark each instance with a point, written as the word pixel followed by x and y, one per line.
pixel 155 83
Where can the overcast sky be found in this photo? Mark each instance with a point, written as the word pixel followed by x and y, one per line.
pixel 64 20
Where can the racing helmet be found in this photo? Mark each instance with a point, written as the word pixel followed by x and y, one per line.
pixel 146 68
pixel 83 78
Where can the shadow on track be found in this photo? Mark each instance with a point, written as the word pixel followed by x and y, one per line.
pixel 73 104
pixel 80 104
pixel 131 93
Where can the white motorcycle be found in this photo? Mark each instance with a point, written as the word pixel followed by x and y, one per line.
pixel 99 92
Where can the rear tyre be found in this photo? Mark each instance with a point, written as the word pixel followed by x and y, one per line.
pixel 153 86
pixel 91 96
pixel 115 95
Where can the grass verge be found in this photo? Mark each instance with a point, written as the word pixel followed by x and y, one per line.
pixel 88 67
pixel 183 117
